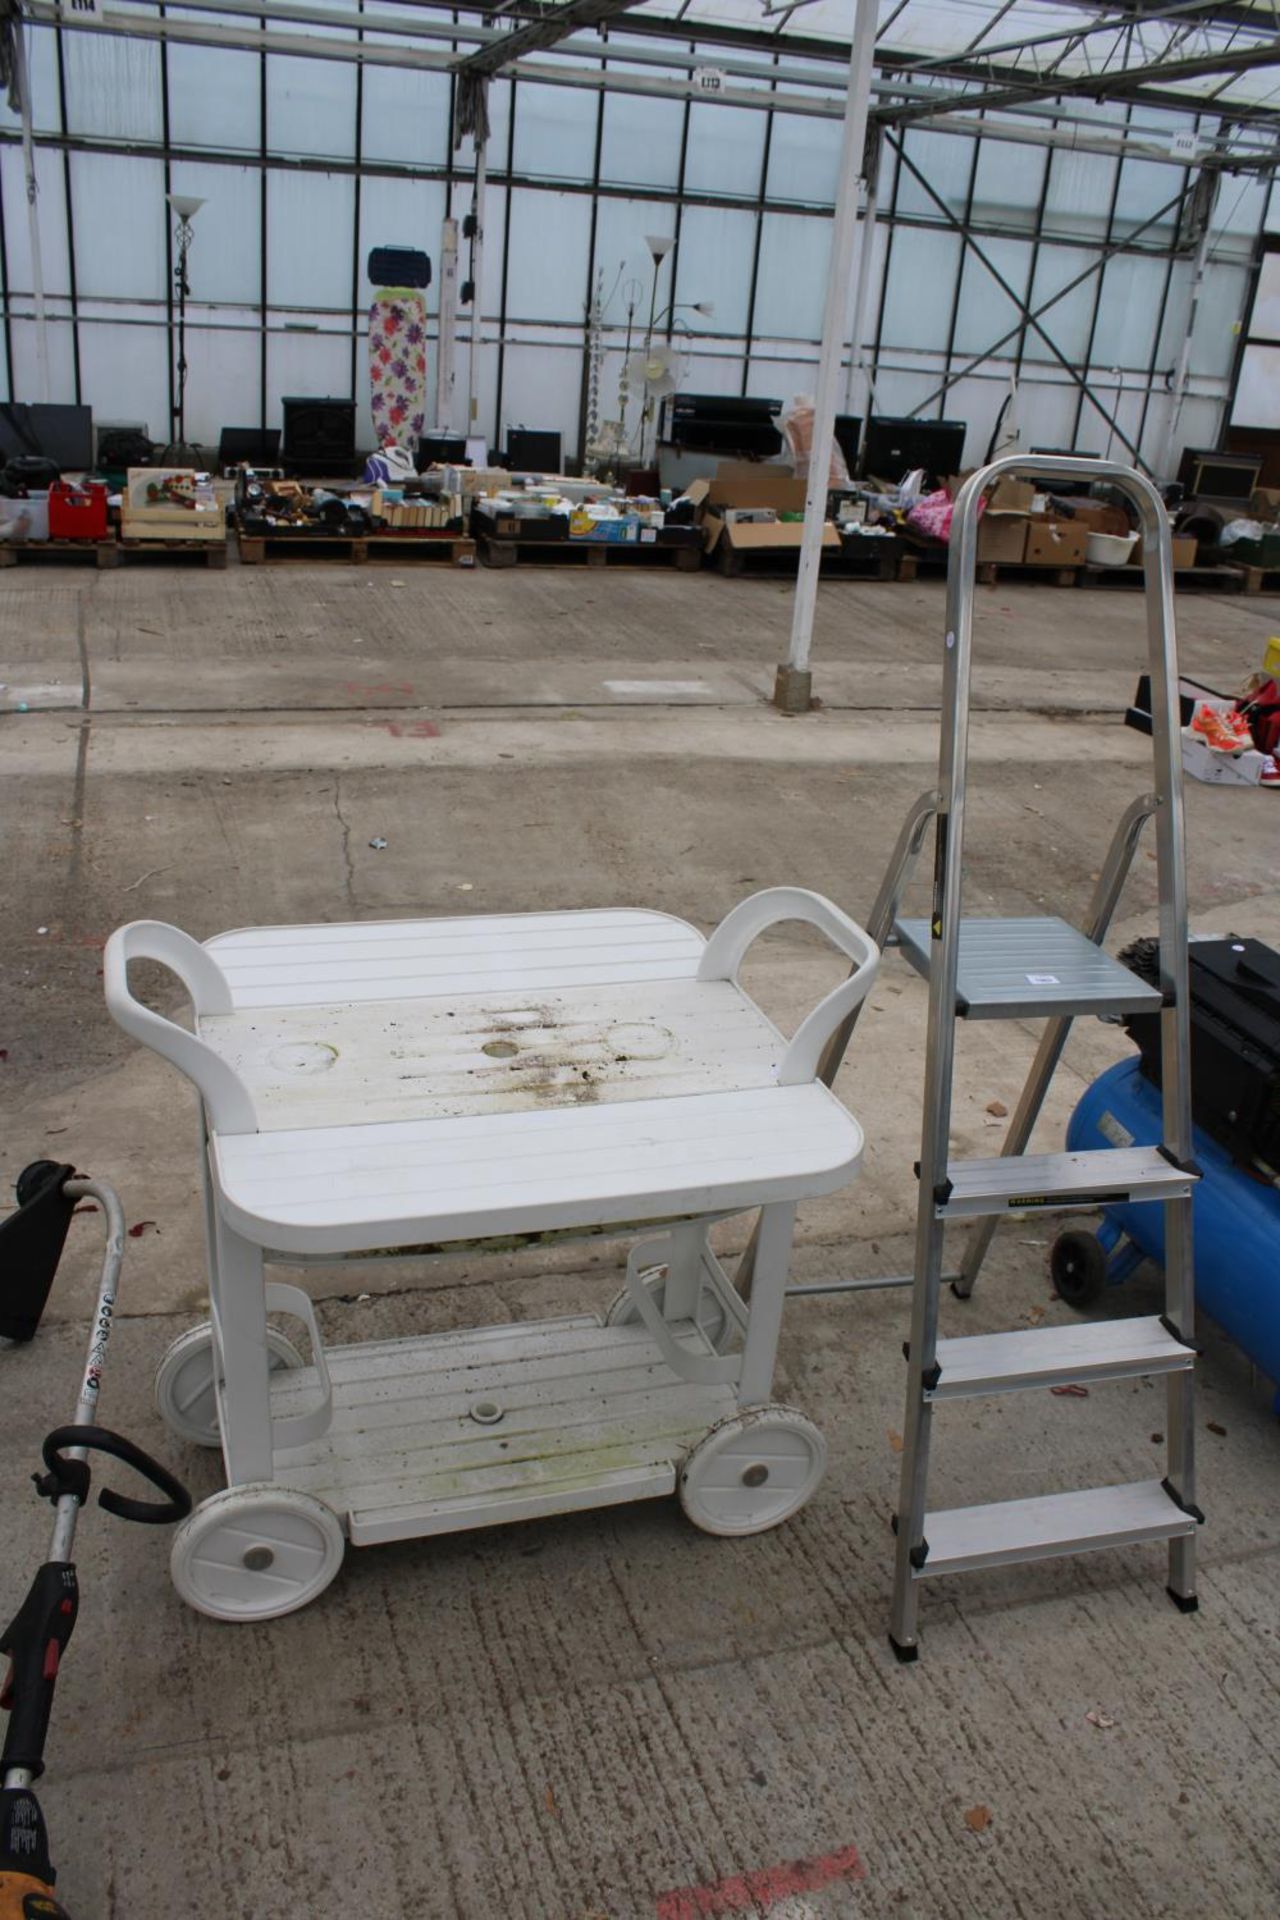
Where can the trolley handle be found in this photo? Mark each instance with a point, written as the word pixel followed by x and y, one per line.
pixel 71 1476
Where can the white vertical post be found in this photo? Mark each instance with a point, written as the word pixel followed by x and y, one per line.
pixel 22 78
pixel 446 325
pixel 857 390
pixel 477 288
pixel 792 691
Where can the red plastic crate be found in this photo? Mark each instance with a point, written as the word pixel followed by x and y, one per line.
pixel 77 512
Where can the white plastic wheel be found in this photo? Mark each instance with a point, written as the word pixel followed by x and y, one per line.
pixel 184 1382
pixel 753 1471
pixel 252 1553
pixel 712 1318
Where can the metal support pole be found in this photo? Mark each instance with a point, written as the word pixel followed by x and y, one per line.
pixel 446 325
pixel 792 689
pixel 22 80
pixel 477 284
pixel 1183 369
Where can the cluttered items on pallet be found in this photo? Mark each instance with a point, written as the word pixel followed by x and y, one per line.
pixel 170 504
pixel 267 504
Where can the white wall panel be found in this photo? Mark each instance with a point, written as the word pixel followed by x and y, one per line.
pixel 113 86
pixel 313 364
pixel 1080 189
pixel 225 262
pixel 547 252
pixel 1218 317
pixel 922 273
pixel 726 151
pixel 986 311
pixel 641 145
pixel 714 263
pixel 555 134
pixel 1264 321
pixel 791 288
pixel 406 116
pixel 1257 402
pixel 311 106
pixel 771 376
pixel 214 97
pixel 224 372
pixel 946 161
pixel 42 67
pixel 119 212
pixel 310 218
pixel 124 373
pixel 1067 320
pixel 542 388
pixel 26 365
pixel 1128 310
pixel 620 249
pixel 804 159
pixel 1008 184
pixel 51 207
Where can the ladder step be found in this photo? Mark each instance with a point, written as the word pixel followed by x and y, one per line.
pixel 1054 1356
pixel 1012 1530
pixel 1020 969
pixel 1039 1182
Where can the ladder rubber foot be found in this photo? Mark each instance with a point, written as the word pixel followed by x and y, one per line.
pixel 1184 1602
pixel 904 1655
pixel 961 1293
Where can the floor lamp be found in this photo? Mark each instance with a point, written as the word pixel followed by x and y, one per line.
pixel 186 206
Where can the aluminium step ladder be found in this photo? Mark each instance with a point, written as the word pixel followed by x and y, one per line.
pixel 1044 968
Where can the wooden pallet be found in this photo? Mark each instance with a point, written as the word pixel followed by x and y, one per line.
pixel 356 549
pixel 1220 579
pixel 915 561
pixel 212 552
pixel 878 561
pixel 589 553
pixel 1250 579
pixel 105 552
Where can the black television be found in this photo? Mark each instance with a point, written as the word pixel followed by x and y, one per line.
pixel 1228 478
pixel 531 450
pixel 848 437
pixel 894 447
pixel 442 450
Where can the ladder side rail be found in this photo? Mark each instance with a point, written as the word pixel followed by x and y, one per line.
pixel 939 1053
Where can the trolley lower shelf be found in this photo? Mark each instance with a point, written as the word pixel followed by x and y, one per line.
pixel 449 1431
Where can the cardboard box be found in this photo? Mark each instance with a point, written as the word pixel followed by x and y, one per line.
pixel 1097 517
pixel 1055 543
pixel 1203 762
pixel 1002 538
pixel 1265 504
pixel 741 486
pixel 1185 549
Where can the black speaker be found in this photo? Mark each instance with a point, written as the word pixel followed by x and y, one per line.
pixel 319 436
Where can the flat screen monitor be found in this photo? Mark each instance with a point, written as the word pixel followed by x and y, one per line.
pixel 896 447
pixel 63 434
pixel 250 446
pixel 848 436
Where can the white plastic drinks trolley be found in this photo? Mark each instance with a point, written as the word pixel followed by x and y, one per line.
pixel 410 1085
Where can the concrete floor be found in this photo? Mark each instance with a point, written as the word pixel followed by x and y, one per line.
pixel 613 1717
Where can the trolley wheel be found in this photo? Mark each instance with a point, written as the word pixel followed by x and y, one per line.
pixel 753 1471
pixel 1078 1268
pixel 253 1553
pixel 184 1382
pixel 714 1321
